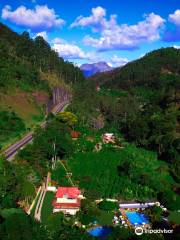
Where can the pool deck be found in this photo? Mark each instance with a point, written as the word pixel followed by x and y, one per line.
pixel 123 212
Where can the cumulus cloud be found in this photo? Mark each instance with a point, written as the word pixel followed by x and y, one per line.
pixel 42 34
pixel 114 36
pixel 127 37
pixel 116 61
pixel 175 17
pixel 38 19
pixel 71 51
pixel 96 20
pixel 58 40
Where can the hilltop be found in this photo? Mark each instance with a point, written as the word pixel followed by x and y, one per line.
pixel 147 71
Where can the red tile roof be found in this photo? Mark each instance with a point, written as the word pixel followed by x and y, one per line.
pixel 75 134
pixel 71 192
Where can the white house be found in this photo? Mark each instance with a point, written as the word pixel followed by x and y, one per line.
pixel 68 200
pixel 108 137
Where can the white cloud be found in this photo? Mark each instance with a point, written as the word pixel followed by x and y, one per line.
pixel 114 36
pixel 39 19
pixel 176 46
pixel 96 20
pixel 116 61
pixel 58 40
pixel 71 51
pixel 175 17
pixel 43 34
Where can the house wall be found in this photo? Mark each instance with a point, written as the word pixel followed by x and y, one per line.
pixel 51 189
pixel 66 200
pixel 66 211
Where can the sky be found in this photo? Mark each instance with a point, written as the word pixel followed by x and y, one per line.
pixel 87 31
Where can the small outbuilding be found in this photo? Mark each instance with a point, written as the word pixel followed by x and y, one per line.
pixel 108 138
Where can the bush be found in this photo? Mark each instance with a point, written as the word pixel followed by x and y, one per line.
pixel 10 125
pixel 108 205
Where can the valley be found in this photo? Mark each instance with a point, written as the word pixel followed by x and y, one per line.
pixel 103 152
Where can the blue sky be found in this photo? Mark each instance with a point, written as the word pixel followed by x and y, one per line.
pixel 115 31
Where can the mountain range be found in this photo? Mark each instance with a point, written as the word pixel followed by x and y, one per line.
pixel 93 68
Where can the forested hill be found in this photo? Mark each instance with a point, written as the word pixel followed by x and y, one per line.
pixel 29 71
pixel 150 71
pixel 23 58
pixel 142 101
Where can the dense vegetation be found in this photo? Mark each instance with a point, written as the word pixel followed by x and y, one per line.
pixel 29 71
pixel 10 125
pixel 139 103
pixel 146 110
pixel 16 225
pixel 128 173
pixel 23 59
pixel 146 71
pixel 19 180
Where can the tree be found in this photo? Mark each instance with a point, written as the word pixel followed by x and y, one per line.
pixel 108 205
pixel 8 194
pixel 27 191
pixel 155 213
pixel 16 225
pixel 68 118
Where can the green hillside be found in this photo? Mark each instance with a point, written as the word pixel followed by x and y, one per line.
pixel 141 100
pixel 29 70
pixel 141 165
pixel 148 71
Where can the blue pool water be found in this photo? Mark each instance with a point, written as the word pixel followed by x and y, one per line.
pixel 101 232
pixel 136 217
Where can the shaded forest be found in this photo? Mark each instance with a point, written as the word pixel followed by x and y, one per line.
pixel 23 59
pixel 141 100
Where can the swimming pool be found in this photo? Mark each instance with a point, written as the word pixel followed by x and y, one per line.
pixel 137 218
pixel 101 232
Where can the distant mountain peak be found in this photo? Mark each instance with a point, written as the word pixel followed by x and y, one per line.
pixel 93 68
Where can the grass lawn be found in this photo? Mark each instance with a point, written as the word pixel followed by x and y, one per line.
pixel 105 217
pixel 174 217
pixel 47 208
